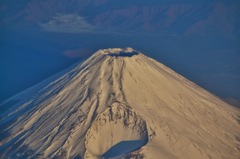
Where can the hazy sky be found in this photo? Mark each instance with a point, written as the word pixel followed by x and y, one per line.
pixel 198 39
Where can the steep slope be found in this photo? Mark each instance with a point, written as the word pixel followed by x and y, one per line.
pixel 119 103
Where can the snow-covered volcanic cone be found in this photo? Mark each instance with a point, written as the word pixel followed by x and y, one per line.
pixel 118 104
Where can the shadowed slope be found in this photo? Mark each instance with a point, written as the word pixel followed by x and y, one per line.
pixel 123 148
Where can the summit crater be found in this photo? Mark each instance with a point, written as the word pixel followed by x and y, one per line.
pixel 120 52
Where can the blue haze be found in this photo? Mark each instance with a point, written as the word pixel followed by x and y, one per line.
pixel 32 50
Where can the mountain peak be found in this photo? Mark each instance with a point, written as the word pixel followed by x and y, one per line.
pixel 123 52
pixel 118 104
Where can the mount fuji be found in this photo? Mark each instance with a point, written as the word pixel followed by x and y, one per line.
pixel 118 103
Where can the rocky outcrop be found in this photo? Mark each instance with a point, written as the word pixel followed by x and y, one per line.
pixel 116 124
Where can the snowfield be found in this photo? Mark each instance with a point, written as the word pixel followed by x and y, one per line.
pixel 118 104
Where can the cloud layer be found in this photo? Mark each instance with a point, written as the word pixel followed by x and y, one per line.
pixel 68 23
pixel 78 53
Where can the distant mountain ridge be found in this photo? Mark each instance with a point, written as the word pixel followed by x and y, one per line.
pixel 190 18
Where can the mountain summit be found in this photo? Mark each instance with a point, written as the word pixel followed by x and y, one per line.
pixel 118 104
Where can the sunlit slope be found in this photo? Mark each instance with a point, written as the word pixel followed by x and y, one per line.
pixel 120 97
